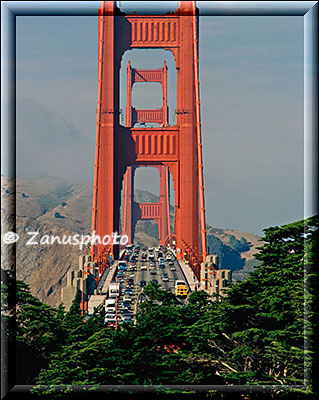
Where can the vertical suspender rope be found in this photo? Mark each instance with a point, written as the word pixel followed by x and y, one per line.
pixel 167 200
pixel 98 123
pixel 199 139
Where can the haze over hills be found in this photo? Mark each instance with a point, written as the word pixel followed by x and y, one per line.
pixel 58 207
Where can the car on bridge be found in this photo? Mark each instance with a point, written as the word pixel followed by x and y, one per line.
pixel 127 318
pixel 127 305
pixel 110 306
pixel 165 278
pixel 109 316
pixel 110 320
pixel 124 310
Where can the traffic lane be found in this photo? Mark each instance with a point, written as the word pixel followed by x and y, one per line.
pixel 147 276
pixel 139 275
pixel 175 275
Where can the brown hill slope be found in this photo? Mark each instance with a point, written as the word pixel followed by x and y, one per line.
pixel 57 207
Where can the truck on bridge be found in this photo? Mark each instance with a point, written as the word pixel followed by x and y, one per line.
pixel 114 290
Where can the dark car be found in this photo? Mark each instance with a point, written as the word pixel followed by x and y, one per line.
pixel 165 278
pixel 127 317
pixel 143 283
pixel 154 280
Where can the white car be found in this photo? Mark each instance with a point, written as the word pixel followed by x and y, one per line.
pixel 143 267
pixel 110 310
pixel 173 268
pixel 109 317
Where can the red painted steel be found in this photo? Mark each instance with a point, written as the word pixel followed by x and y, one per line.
pixel 178 147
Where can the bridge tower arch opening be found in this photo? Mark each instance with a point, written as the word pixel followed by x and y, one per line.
pixel 149 209
pixel 148 94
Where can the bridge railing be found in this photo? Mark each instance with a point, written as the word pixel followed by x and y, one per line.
pixel 103 262
pixel 193 258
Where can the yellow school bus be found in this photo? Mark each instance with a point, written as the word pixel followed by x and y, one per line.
pixel 180 288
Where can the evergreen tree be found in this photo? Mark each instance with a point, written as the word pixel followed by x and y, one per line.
pixel 255 334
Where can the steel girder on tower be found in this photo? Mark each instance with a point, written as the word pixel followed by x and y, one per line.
pixel 177 147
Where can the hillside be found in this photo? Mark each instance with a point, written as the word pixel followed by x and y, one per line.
pixel 57 207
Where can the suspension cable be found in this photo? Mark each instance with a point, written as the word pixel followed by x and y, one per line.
pixel 199 139
pixel 98 122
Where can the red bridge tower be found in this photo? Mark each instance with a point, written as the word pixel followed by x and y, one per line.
pixel 178 148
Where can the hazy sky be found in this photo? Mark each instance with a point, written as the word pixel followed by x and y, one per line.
pixel 251 85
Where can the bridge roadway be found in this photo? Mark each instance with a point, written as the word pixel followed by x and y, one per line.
pixel 174 272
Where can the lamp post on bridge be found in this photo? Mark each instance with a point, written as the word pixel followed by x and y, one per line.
pixel 82 301
pixel 116 291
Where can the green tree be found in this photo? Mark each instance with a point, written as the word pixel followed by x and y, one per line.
pixel 255 335
pixel 35 329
